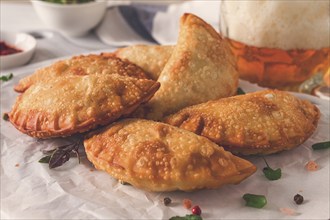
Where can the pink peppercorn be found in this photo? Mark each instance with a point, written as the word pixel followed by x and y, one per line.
pixel 196 210
pixel 187 203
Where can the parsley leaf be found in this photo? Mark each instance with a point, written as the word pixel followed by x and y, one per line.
pixel 187 217
pixel 321 145
pixel 270 173
pixel 255 201
pixel 6 78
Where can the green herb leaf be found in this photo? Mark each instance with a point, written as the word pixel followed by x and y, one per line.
pixel 240 91
pixel 6 78
pixel 321 145
pixel 255 201
pixel 187 217
pixel 270 173
pixel 49 152
pixel 45 159
pixel 58 156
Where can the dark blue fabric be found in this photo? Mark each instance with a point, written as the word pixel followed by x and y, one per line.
pixel 140 18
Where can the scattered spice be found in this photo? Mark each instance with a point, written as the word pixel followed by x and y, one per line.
pixel 187 203
pixel 6 78
pixel 312 166
pixel 196 210
pixel 17 165
pixel 255 201
pixel 288 211
pixel 321 145
pixel 299 199
pixel 167 201
pixel 270 173
pixel 187 217
pixel 5 116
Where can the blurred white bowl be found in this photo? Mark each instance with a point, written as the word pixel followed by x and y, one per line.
pixel 22 41
pixel 73 20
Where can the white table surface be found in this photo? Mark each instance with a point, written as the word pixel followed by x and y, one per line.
pixel 19 16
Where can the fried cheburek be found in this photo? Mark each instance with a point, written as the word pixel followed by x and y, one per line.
pixel 201 68
pixel 82 65
pixel 158 157
pixel 58 108
pixel 151 58
pixel 262 122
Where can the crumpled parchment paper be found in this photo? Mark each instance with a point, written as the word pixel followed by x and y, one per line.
pixel 29 190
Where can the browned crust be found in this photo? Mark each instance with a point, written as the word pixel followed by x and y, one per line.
pixel 159 157
pixel 151 58
pixel 35 122
pixel 201 68
pixel 82 65
pixel 252 124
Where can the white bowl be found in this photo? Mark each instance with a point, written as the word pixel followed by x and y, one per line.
pixel 22 41
pixel 70 19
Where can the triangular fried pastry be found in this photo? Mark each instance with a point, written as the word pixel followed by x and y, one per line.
pixel 82 65
pixel 75 104
pixel 151 58
pixel 262 122
pixel 158 157
pixel 201 68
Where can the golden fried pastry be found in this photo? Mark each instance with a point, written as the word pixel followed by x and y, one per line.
pixel 76 104
pixel 262 122
pixel 151 58
pixel 82 65
pixel 159 157
pixel 201 68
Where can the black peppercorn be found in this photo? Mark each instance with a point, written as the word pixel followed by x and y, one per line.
pixel 5 116
pixel 167 201
pixel 299 199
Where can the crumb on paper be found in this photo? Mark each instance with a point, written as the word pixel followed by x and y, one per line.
pixel 17 165
pixel 288 211
pixel 312 166
pixel 91 170
pixel 187 203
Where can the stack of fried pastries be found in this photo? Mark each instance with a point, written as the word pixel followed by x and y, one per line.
pixel 188 87
pixel 200 68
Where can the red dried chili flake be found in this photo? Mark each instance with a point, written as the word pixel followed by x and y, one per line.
pixel 312 166
pixel 288 211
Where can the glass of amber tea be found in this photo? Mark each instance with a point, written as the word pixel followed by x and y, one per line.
pixel 279 44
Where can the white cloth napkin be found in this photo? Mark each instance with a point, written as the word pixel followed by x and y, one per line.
pixel 151 23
